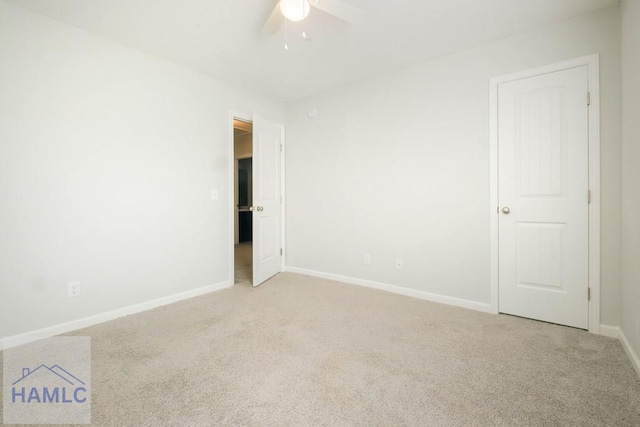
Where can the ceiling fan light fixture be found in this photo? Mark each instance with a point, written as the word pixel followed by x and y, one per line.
pixel 295 10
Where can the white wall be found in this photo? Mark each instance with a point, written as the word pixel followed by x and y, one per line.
pixel 107 160
pixel 630 288
pixel 398 166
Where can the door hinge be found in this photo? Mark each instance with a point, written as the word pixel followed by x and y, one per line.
pixel 280 147
pixel 280 251
pixel 588 196
pixel 588 98
pixel 588 294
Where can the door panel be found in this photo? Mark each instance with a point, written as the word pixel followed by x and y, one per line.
pixel 267 140
pixel 543 181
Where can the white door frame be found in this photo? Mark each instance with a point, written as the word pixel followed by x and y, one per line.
pixel 231 192
pixel 592 62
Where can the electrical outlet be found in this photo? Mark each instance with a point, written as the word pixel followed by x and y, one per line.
pixel 73 289
pixel 367 259
pixel 399 264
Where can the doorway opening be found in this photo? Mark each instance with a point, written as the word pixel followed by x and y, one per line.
pixel 256 199
pixel 243 200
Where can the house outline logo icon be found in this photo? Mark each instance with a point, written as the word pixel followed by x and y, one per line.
pixel 61 386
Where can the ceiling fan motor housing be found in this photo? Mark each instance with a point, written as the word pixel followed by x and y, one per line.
pixel 295 10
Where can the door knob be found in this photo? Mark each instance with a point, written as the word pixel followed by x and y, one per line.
pixel 506 210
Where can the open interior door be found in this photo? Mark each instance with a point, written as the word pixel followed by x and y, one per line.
pixel 267 207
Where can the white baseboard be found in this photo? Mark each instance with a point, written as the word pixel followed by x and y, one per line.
pixel 62 328
pixel 616 332
pixel 635 361
pixel 442 299
pixel 610 331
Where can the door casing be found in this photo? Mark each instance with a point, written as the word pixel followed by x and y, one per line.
pixel 592 63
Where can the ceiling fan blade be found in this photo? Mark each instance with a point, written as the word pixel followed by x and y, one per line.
pixel 338 8
pixel 274 21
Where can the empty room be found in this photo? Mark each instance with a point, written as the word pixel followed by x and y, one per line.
pixel 320 212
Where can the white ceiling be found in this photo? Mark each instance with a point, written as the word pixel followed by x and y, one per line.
pixel 222 38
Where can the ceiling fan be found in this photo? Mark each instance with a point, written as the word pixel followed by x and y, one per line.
pixel 297 10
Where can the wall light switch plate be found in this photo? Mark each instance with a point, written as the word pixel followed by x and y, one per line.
pixel 399 264
pixel 214 194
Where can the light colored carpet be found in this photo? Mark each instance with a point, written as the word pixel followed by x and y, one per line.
pixel 244 262
pixel 304 351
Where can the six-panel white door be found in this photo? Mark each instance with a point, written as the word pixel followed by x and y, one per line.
pixel 267 140
pixel 543 197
